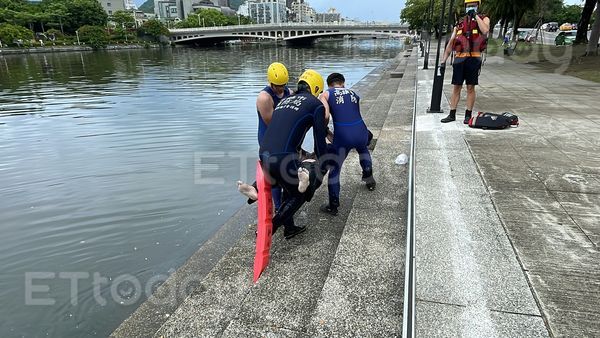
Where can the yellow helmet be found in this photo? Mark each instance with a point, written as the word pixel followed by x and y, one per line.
pixel 470 1
pixel 314 81
pixel 277 74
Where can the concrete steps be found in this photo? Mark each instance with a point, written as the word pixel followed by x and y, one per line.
pixel 362 295
pixel 286 299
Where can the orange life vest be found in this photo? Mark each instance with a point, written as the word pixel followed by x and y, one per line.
pixel 469 41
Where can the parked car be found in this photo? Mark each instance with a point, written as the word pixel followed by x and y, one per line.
pixel 551 26
pixel 522 35
pixel 565 38
pixel 566 27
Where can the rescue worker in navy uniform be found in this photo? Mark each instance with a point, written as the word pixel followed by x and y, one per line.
pixel 280 155
pixel 468 41
pixel 350 132
pixel 267 100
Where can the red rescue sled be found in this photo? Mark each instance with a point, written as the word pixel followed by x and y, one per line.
pixel 265 223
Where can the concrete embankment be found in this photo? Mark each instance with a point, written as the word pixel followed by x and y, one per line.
pixel 62 49
pixel 342 277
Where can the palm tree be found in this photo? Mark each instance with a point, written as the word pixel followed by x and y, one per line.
pixel 499 11
pixel 519 8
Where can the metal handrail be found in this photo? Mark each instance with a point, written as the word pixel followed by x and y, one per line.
pixel 409 313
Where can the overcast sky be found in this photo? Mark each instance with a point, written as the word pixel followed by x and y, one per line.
pixel 374 10
pixel 368 10
pixel 365 10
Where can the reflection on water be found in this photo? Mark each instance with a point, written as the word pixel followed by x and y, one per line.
pixel 101 156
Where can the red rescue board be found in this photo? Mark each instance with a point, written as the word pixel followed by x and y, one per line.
pixel 265 223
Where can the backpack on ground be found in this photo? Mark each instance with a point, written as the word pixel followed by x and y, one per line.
pixel 485 120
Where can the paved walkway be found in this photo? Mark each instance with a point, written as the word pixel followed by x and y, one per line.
pixel 469 282
pixel 544 182
pixel 544 179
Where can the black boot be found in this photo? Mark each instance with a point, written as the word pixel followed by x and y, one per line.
pixel 286 211
pixel 329 209
pixel 290 231
pixel 467 116
pixel 367 177
pixel 451 117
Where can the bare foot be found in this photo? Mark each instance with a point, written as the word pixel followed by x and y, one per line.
pixel 303 176
pixel 247 190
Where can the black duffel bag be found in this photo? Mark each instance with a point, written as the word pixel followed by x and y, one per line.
pixel 485 120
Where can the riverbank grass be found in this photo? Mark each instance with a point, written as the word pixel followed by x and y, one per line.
pixel 568 60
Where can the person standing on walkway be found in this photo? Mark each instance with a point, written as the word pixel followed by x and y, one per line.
pixel 267 100
pixel 281 144
pixel 468 41
pixel 350 132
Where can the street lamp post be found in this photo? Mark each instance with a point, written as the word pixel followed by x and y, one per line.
pixel 438 80
pixel 438 77
pixel 429 24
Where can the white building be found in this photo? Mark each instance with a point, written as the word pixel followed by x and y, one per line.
pixel 330 16
pixel 130 5
pixel 243 9
pixel 267 11
pixel 167 10
pixel 302 12
pixel 111 6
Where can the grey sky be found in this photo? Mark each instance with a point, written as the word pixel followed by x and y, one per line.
pixel 375 10
pixel 365 10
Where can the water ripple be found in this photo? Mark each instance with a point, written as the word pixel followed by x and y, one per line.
pixel 98 165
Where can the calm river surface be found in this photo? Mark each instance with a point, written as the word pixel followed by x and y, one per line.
pixel 102 159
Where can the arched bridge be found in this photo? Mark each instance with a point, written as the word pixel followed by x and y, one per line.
pixel 300 33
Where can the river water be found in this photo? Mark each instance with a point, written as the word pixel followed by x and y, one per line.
pixel 112 171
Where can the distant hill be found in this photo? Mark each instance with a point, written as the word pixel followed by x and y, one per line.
pixel 147 7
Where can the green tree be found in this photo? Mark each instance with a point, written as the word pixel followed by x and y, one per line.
pixel 94 36
pixel 83 12
pixel 548 10
pixel 10 34
pixel 584 21
pixel 571 14
pixel 415 13
pixel 154 28
pixel 57 12
pixel 205 17
pixel 498 11
pixel 592 47
pixel 519 8
pixel 123 19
